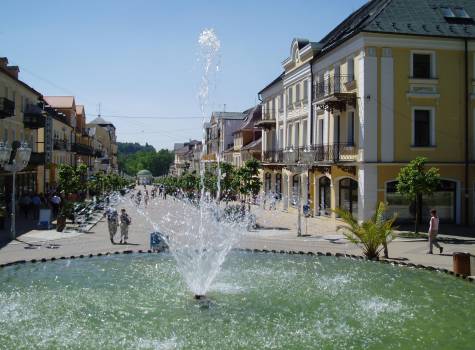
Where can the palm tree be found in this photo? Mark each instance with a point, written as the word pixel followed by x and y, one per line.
pixel 373 234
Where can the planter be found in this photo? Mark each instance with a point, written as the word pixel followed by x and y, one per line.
pixel 60 223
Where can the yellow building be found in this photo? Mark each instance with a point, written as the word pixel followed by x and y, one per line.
pixel 104 144
pixel 21 120
pixel 392 82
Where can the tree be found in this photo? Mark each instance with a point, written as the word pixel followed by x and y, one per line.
pixel 373 234
pixel 72 179
pixel 229 187
pixel 248 179
pixel 415 181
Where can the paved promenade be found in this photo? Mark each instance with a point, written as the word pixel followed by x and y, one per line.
pixel 277 231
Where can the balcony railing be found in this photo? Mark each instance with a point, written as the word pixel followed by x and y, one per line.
pixel 37 158
pixel 330 153
pixel 273 156
pixel 60 145
pixel 7 108
pixel 81 149
pixel 33 117
pixel 335 92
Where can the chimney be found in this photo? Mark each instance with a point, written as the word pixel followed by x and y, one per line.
pixel 13 71
pixel 3 62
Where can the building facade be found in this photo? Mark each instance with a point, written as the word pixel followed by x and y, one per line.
pixel 392 82
pixel 21 120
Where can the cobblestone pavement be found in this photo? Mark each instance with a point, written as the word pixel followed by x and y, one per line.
pixel 277 231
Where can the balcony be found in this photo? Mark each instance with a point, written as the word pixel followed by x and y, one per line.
pixel 274 156
pixel 335 92
pixel 81 149
pixel 98 153
pixel 332 153
pixel 33 117
pixel 267 122
pixel 37 158
pixel 7 108
pixel 60 145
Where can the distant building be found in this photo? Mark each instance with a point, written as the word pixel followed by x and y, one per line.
pixel 144 177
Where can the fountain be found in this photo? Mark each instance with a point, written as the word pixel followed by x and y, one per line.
pixel 260 300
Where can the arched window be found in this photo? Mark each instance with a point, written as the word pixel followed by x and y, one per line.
pixel 324 204
pixel 267 182
pixel 348 195
pixel 278 184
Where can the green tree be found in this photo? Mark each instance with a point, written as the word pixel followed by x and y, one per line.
pixel 72 179
pixel 373 234
pixel 229 186
pixel 415 181
pixel 249 182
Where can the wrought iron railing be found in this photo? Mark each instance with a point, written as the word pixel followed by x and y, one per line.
pixel 332 85
pixel 60 145
pixel 273 156
pixel 84 150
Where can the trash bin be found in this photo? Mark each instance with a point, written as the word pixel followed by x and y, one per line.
pixel 461 263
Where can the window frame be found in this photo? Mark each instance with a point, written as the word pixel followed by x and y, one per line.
pixel 433 65
pixel 432 140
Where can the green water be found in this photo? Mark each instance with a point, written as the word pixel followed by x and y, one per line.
pixel 260 301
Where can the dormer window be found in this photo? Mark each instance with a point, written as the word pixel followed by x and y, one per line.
pixel 456 15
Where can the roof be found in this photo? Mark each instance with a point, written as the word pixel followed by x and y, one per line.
pixel 100 121
pixel 61 102
pixel 229 115
pixel 253 146
pixel 80 109
pixel 253 115
pixel 276 80
pixel 144 172
pixel 19 81
pixel 408 17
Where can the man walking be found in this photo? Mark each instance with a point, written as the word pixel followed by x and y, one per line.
pixel 433 230
pixel 125 221
pixel 112 222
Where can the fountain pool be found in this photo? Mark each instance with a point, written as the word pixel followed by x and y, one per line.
pixel 275 301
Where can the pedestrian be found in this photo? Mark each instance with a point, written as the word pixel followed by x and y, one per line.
pixel 146 198
pixel 36 201
pixel 433 230
pixel 25 203
pixel 55 202
pixel 138 198
pixel 125 221
pixel 112 222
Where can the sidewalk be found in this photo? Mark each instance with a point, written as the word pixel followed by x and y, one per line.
pixel 277 231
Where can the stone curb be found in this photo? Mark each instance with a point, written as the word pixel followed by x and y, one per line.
pixel 360 257
pixel 336 255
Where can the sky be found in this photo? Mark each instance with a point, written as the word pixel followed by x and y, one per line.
pixel 137 61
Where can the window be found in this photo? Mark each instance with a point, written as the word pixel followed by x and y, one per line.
pixel 320 132
pixel 447 12
pixel 422 128
pixel 421 66
pixel 297 92
pixel 460 12
pixel 281 102
pixel 348 195
pixel 351 68
pixel 278 184
pixel 351 128
pixel 296 141
pixel 305 90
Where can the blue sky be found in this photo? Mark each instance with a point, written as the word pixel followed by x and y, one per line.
pixel 139 58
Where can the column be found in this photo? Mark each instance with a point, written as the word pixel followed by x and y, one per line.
pixel 367 190
pixel 387 106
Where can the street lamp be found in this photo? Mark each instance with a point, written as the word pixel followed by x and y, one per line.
pixel 299 168
pixel 21 156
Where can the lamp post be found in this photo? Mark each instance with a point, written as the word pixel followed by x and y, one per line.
pixel 298 167
pixel 13 160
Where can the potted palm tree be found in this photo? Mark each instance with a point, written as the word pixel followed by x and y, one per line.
pixel 372 235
